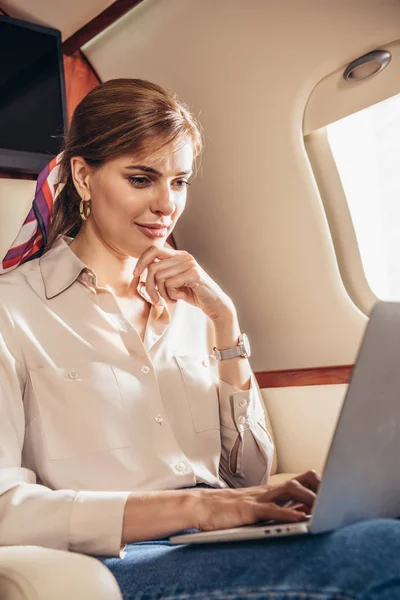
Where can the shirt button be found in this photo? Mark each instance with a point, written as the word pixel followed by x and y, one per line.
pixel 243 403
pixel 206 363
pixel 145 369
pixel 180 467
pixel 73 375
pixel 242 420
pixel 159 419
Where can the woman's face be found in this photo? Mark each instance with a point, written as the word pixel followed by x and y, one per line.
pixel 131 192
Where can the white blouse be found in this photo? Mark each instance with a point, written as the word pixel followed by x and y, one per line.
pixel 89 413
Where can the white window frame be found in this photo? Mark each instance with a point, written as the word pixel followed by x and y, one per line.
pixel 339 220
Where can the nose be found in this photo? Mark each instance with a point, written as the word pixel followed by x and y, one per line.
pixel 165 201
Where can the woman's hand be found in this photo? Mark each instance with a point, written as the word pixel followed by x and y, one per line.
pixel 175 275
pixel 152 515
pixel 226 508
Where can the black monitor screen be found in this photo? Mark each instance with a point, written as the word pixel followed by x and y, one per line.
pixel 32 116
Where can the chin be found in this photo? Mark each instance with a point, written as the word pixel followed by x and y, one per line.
pixel 139 248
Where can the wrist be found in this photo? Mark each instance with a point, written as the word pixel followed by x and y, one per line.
pixel 225 312
pixel 226 332
pixel 197 507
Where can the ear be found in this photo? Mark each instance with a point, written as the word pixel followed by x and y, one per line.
pixel 81 171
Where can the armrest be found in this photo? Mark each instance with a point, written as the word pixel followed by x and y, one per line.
pixel 35 573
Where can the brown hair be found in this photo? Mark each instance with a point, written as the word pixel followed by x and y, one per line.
pixel 118 117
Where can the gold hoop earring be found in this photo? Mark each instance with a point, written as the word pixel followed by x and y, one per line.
pixel 85 211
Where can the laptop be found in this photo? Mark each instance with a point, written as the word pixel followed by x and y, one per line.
pixel 361 478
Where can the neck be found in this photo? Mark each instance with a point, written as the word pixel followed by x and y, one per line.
pixel 112 269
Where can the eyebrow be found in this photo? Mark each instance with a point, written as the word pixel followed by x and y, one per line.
pixel 154 171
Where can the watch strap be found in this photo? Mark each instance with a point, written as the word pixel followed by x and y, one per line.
pixel 230 352
pixel 238 350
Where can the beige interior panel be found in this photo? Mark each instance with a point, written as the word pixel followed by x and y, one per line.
pixel 303 420
pixel 68 17
pixel 16 196
pixel 254 218
pixel 280 478
pixel 334 98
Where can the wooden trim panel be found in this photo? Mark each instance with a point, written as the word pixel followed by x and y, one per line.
pixel 106 18
pixel 15 175
pixel 301 377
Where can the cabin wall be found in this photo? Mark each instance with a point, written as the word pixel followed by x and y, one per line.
pixel 303 420
pixel 255 220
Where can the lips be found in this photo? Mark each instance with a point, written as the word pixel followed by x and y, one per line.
pixel 153 231
pixel 153 225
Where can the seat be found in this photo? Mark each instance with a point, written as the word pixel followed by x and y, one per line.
pixel 32 572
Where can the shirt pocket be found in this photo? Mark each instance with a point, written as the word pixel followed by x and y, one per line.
pixel 80 409
pixel 201 379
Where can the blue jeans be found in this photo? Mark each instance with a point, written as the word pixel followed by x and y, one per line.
pixel 357 562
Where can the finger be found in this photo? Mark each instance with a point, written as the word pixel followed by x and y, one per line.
pixel 277 513
pixel 302 508
pixel 149 256
pixel 292 490
pixel 190 279
pixel 311 479
pixel 160 271
pixel 151 290
pixel 161 291
pixel 169 290
pixel 296 505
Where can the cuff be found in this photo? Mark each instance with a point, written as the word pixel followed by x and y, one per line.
pixel 96 523
pixel 239 409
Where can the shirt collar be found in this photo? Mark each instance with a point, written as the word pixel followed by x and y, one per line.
pixel 61 267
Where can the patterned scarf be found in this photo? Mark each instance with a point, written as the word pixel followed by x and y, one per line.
pixel 32 236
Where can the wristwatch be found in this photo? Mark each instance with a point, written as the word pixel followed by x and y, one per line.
pixel 242 349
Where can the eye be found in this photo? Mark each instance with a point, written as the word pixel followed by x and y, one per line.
pixel 139 182
pixel 181 183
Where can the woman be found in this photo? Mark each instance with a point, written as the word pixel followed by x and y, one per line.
pixel 119 425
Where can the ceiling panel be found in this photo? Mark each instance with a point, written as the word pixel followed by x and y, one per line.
pixel 68 17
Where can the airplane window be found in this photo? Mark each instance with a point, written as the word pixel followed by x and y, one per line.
pixel 366 149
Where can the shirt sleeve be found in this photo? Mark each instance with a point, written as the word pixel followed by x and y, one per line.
pixel 88 522
pixel 243 430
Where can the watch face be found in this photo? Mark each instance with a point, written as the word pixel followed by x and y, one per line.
pixel 246 344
